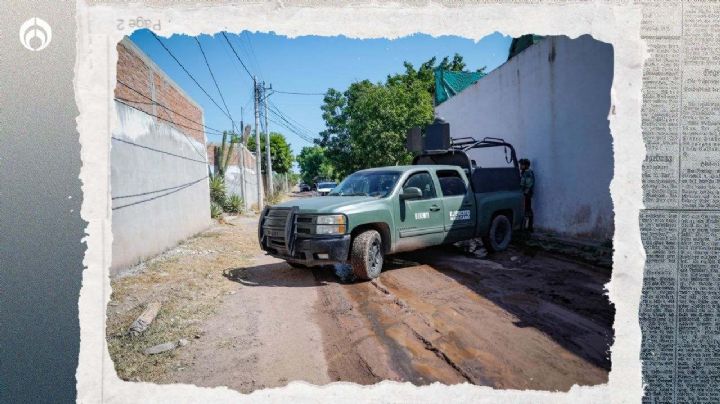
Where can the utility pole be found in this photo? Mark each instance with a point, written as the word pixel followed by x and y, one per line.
pixel 243 192
pixel 258 150
pixel 267 142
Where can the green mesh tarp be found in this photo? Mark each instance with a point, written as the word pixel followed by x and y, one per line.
pixel 449 83
pixel 521 43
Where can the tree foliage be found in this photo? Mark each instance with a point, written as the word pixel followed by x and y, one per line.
pixel 426 72
pixel 367 123
pixel 280 153
pixel 314 164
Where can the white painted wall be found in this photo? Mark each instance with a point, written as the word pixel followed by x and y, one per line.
pixel 233 183
pixel 551 102
pixel 139 174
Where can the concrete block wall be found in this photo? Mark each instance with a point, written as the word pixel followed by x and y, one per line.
pixel 233 183
pixel 159 168
pixel 235 175
pixel 552 103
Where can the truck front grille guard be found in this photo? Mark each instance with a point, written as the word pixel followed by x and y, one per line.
pixel 261 233
pixel 290 224
pixel 288 238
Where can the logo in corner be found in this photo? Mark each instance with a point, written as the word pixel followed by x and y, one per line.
pixel 35 34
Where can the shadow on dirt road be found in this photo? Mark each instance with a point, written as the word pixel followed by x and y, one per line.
pixel 267 275
pixel 565 300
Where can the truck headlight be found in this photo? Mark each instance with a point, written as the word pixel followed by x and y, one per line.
pixel 331 224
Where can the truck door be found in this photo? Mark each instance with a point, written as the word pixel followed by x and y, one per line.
pixel 421 220
pixel 459 205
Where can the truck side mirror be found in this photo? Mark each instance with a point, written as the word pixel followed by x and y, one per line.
pixel 411 193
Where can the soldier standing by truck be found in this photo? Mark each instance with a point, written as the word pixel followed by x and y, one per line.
pixel 527 184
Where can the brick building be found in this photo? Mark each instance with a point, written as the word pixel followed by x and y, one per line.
pixel 144 86
pixel 158 161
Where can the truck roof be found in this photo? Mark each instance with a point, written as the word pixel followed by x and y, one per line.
pixel 412 167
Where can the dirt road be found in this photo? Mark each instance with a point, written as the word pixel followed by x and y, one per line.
pixel 523 320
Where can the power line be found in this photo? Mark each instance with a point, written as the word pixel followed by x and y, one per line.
pixel 125 102
pixel 161 195
pixel 238 57
pixel 157 191
pixel 301 136
pixel 240 72
pixel 296 93
pixel 156 150
pixel 249 100
pixel 289 124
pixel 293 129
pixel 284 122
pixel 253 58
pixel 292 122
pixel 216 83
pixel 122 101
pixel 295 121
pixel 164 106
pixel 190 75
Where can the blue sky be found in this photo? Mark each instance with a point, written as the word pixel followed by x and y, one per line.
pixel 309 64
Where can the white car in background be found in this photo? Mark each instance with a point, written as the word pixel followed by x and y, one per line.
pixel 323 188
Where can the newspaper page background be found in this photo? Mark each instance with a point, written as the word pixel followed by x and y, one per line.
pixel 680 225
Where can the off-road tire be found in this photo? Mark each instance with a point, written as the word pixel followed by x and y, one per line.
pixel 366 256
pixel 298 265
pixel 500 234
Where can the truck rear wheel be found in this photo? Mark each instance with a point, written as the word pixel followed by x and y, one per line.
pixel 366 257
pixel 500 234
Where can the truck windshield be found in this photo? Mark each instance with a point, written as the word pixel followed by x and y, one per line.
pixel 371 183
pixel 327 185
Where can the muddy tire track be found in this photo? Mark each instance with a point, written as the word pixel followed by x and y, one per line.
pixel 421 325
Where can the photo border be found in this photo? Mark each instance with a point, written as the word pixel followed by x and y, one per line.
pixel 97 37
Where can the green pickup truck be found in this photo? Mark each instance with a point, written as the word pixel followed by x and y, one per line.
pixel 442 198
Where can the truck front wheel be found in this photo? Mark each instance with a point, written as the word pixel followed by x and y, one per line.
pixel 500 234
pixel 366 257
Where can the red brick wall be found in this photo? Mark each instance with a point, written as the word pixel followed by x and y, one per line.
pixel 136 73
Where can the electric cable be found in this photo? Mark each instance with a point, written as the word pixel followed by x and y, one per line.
pixel 216 83
pixel 190 75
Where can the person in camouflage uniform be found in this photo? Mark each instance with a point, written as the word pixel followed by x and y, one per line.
pixel 527 185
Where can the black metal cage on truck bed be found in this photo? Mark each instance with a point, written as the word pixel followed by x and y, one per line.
pixel 437 147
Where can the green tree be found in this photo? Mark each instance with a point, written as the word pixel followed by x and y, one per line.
pixel 367 123
pixel 280 153
pixel 314 164
pixel 426 72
